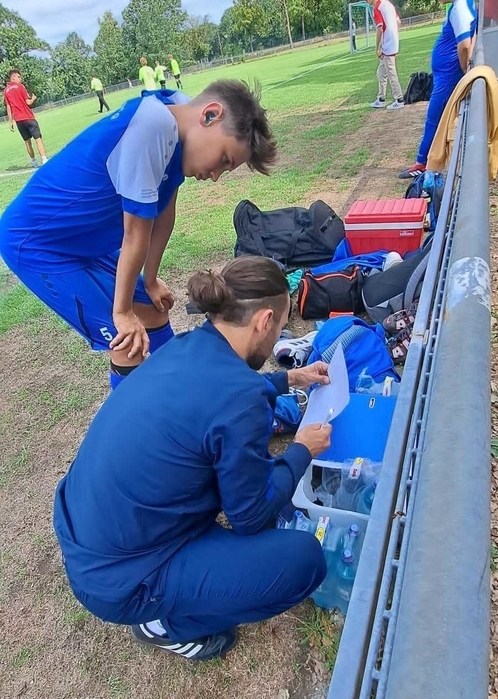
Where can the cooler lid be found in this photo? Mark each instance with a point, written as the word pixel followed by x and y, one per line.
pixel 387 211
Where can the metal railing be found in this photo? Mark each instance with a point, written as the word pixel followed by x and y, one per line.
pixel 418 622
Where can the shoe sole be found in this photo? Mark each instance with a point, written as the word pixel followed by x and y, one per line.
pixel 151 644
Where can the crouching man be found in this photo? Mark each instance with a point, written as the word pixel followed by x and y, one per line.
pixel 183 438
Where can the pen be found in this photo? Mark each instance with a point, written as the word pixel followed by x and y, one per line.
pixel 328 417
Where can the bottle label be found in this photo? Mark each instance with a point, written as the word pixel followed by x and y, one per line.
pixel 355 470
pixel 321 529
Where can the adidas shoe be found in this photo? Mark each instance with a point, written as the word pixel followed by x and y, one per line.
pixel 397 104
pixel 412 172
pixel 401 320
pixel 206 648
pixel 378 104
pixel 398 345
pixel 293 353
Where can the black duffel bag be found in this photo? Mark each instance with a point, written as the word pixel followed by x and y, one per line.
pixel 319 294
pixel 293 237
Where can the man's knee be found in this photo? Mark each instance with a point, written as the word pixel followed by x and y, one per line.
pixel 304 562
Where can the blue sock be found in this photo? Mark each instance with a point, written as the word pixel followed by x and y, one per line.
pixel 115 379
pixel 159 336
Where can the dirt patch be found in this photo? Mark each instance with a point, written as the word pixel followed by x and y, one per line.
pixel 51 386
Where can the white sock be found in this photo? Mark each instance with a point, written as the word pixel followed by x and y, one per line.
pixel 156 628
pixel 44 159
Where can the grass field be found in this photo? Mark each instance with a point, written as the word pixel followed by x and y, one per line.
pixel 332 146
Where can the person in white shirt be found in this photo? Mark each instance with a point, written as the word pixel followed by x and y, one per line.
pixel 387 22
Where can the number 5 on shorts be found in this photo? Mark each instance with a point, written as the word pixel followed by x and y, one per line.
pixel 106 334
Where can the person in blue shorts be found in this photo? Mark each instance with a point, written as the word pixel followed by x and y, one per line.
pixel 136 516
pixel 450 59
pixel 88 231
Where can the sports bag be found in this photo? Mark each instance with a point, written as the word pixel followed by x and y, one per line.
pixel 419 88
pixel 364 348
pixel 396 288
pixel 293 237
pixel 319 294
pixel 430 186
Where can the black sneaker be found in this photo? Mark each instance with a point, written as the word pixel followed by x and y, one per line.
pixel 206 648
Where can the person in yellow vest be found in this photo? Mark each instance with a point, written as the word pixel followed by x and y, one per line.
pixel 97 87
pixel 175 69
pixel 160 75
pixel 146 75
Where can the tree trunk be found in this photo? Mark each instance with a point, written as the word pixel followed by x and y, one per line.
pixel 287 21
pixel 302 27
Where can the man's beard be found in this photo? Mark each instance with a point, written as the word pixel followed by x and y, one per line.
pixel 257 359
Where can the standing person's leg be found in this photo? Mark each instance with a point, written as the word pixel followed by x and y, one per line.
pixel 221 579
pixel 34 129
pixel 29 148
pixel 354 42
pixel 380 102
pixel 100 95
pixel 441 93
pixel 25 132
pixel 84 299
pixel 392 73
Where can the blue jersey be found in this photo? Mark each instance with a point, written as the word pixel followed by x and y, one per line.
pixel 169 449
pixel 460 24
pixel 71 210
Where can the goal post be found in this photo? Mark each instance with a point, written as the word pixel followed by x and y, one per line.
pixel 361 26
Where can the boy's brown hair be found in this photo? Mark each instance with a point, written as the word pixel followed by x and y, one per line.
pixel 246 119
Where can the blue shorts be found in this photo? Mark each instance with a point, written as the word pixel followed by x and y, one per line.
pixel 83 298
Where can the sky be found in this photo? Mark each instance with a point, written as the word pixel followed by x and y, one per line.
pixel 54 19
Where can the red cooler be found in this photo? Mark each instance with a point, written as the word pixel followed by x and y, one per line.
pixel 386 224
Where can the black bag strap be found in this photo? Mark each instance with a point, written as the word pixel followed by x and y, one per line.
pixel 414 281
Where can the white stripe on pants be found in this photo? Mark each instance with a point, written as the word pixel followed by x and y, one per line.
pixel 387 71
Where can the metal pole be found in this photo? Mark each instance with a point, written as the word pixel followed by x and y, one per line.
pixel 440 648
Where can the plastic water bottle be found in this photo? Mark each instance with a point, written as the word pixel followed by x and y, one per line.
pixel 350 539
pixel 324 595
pixel 344 579
pixel 301 522
pixel 366 498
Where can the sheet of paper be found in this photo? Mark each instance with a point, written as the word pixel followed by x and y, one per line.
pixel 334 396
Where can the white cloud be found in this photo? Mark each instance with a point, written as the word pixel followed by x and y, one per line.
pixel 54 19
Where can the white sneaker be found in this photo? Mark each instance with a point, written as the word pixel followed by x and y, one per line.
pixel 34 162
pixel 292 353
pixel 44 160
pixel 378 104
pixel 397 104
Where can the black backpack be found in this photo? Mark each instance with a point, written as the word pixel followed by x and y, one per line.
pixel 419 88
pixel 293 237
pixel 398 287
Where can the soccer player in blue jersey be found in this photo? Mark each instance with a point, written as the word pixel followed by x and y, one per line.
pixel 450 58
pixel 88 231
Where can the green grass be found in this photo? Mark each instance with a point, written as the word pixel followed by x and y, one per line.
pixel 317 99
pixel 321 632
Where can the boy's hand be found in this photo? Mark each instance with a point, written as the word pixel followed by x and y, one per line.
pixel 315 438
pixel 309 375
pixel 131 333
pixel 160 295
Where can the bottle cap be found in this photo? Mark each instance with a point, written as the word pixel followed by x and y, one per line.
pixel 347 556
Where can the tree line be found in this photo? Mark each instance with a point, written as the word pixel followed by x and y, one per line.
pixel 156 28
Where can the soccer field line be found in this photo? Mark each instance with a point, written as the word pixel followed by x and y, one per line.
pixel 17 172
pixel 306 72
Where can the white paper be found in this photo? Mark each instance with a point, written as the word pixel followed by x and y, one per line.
pixel 334 396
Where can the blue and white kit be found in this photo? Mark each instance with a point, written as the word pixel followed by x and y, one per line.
pixel 62 234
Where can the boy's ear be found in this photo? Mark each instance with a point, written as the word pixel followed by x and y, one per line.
pixel 211 113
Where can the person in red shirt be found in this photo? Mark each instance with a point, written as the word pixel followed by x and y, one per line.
pixel 18 103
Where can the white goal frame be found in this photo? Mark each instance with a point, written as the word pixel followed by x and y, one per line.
pixel 361 12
